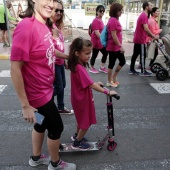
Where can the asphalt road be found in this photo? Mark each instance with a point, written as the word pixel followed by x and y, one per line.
pixel 142 126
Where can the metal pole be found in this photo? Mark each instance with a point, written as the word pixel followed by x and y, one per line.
pixel 7 23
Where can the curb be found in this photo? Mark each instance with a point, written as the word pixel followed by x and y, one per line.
pixel 4 56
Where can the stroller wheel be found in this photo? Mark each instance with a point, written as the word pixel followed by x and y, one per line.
pixel 162 74
pixel 155 67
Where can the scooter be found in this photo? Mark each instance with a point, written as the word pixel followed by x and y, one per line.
pixel 66 147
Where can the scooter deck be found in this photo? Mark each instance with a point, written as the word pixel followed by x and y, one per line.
pixel 66 147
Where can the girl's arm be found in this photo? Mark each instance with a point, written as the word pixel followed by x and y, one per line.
pixel 96 86
pixel 17 79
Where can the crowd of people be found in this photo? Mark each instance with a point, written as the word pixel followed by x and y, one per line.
pixel 38 75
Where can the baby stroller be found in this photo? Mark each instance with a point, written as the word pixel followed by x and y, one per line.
pixel 162 64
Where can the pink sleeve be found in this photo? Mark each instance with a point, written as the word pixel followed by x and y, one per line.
pixel 21 42
pixel 144 19
pixel 154 28
pixel 113 24
pixel 95 25
pixel 84 78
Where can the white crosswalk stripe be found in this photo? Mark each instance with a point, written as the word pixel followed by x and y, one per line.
pixel 2 87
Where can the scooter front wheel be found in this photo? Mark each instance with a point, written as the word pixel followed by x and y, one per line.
pixel 111 146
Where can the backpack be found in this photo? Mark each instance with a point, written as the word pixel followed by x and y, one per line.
pixel 90 29
pixel 104 36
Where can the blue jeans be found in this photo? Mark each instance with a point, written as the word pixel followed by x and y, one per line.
pixel 59 85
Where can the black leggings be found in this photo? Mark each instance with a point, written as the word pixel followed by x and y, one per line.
pixel 95 53
pixel 52 121
pixel 113 56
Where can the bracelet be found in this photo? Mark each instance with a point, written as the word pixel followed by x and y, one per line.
pixel 106 91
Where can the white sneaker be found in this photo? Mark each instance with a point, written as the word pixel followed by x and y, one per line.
pixel 44 160
pixel 62 166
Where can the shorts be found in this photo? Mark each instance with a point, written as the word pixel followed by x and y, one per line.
pixel 3 26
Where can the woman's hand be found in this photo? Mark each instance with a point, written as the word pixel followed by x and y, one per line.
pixel 28 114
pixel 100 83
pixel 122 50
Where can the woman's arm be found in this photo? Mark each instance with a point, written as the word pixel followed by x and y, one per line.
pixel 97 33
pixel 17 79
pixel 115 38
pixel 60 54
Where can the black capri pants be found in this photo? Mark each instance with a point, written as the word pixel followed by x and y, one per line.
pixel 113 56
pixel 52 121
pixel 95 53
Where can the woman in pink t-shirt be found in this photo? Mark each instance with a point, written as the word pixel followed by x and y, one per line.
pixel 155 29
pixel 32 72
pixel 97 27
pixel 57 27
pixel 114 44
pixel 81 91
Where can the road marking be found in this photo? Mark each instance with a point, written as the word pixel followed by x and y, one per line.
pixel 2 87
pixel 162 88
pixel 5 73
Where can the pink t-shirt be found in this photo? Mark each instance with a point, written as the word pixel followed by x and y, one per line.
pixel 59 45
pixel 82 97
pixel 97 24
pixel 33 44
pixel 114 25
pixel 154 28
pixel 140 34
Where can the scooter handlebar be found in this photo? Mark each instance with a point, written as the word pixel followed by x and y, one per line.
pixel 116 96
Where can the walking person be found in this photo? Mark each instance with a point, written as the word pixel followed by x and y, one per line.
pixel 97 27
pixel 139 40
pixel 114 44
pixel 3 23
pixel 155 29
pixel 57 26
pixel 32 73
pixel 81 91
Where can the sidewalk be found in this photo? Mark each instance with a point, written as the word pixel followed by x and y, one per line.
pixel 128 46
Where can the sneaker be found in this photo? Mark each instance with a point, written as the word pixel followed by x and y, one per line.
pixel 93 70
pixel 146 74
pixel 73 138
pixel 111 84
pixel 66 111
pixel 104 70
pixel 6 45
pixel 133 72
pixel 62 166
pixel 80 145
pixel 44 160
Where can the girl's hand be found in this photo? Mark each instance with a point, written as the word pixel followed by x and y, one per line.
pixel 100 83
pixel 55 32
pixel 28 114
pixel 112 92
pixel 122 50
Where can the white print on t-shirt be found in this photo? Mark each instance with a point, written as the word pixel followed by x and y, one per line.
pixel 59 42
pixel 50 51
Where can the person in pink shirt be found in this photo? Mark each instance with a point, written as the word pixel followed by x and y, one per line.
pixel 57 27
pixel 81 90
pixel 155 29
pixel 32 71
pixel 97 27
pixel 114 44
pixel 139 40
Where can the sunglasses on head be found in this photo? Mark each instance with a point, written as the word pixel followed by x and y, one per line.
pixel 102 11
pixel 61 10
